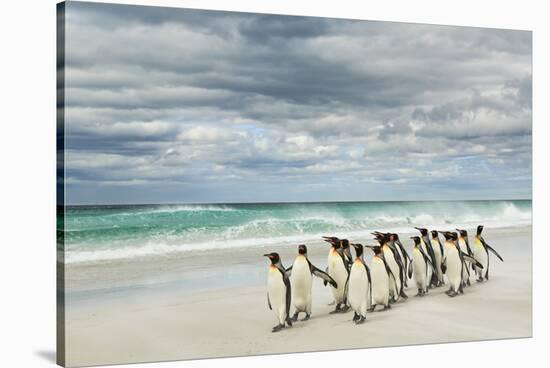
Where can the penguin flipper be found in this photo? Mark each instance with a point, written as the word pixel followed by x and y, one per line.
pixel 349 258
pixel 269 302
pixel 468 246
pixel 390 273
pixel 427 259
pixel 404 251
pixel 323 275
pixel 491 249
pixel 288 271
pixel 288 296
pixel 471 259
pixel 444 264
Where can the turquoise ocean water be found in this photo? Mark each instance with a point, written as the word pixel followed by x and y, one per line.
pixel 99 233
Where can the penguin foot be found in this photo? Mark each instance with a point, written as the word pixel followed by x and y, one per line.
pixel 403 295
pixel 360 320
pixel 289 322
pixel 344 309
pixel 386 307
pixel 371 309
pixel 453 294
pixel 336 310
pixel 449 291
pixel 355 317
pixel 295 317
pixel 305 318
pixel 278 328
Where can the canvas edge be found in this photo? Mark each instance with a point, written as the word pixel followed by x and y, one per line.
pixel 60 184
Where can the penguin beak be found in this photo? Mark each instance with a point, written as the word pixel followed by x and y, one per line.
pixel 267 255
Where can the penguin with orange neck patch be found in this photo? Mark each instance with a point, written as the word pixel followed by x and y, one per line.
pixel 359 286
pixel 338 268
pixel 421 262
pixel 301 276
pixel 453 263
pixel 381 275
pixel 278 291
pixel 481 253
pixel 392 259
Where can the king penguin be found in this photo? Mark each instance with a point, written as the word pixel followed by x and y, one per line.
pixel 407 261
pixel 380 275
pixel 453 263
pixel 339 271
pixel 421 263
pixel 300 274
pixel 391 259
pixel 438 255
pixel 427 248
pixel 359 286
pixel 481 253
pixel 278 291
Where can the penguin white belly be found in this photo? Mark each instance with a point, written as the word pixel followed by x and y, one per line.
pixel 301 281
pixel 380 282
pixel 358 288
pixel 276 291
pixel 454 268
pixel 395 282
pixel 338 272
pixel 425 249
pixel 419 270
pixel 438 257
pixel 480 254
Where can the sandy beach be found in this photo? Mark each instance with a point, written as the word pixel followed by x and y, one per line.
pixel 173 324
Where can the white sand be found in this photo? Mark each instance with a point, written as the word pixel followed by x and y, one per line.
pixel 236 321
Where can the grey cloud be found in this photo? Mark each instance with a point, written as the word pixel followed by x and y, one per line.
pixel 167 97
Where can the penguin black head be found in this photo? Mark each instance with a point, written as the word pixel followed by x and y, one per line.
pixel 302 249
pixel 463 233
pixel 423 231
pixel 416 240
pixel 377 235
pixel 381 240
pixel 395 237
pixel 376 249
pixel 449 235
pixel 344 243
pixel 274 257
pixel 479 230
pixel 434 234
pixel 332 240
pixel 358 249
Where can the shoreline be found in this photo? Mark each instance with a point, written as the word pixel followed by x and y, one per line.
pixel 177 269
pixel 175 324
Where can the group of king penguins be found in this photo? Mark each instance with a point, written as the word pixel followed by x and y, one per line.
pixel 362 287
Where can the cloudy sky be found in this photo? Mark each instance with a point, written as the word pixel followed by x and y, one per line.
pixel 177 105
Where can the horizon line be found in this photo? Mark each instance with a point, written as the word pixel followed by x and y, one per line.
pixel 290 202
